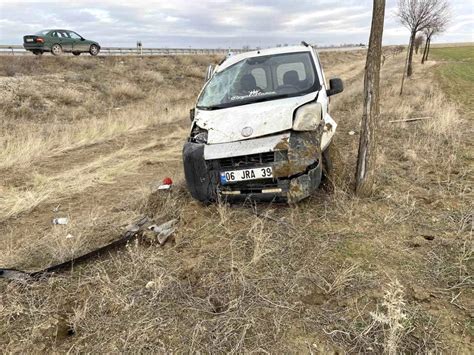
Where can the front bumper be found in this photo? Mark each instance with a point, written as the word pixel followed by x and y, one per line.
pixel 289 190
pixel 295 160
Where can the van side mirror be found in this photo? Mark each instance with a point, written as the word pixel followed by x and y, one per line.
pixel 209 72
pixel 335 87
pixel 191 114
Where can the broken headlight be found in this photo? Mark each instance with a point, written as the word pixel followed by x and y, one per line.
pixel 199 135
pixel 308 117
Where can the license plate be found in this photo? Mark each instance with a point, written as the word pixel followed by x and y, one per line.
pixel 246 174
pixel 29 40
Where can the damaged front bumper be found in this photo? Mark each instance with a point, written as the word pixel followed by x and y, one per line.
pixel 290 190
pixel 295 159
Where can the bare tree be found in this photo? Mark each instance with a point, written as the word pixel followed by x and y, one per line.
pixel 418 42
pixel 438 26
pixel 428 34
pixel 416 15
pixel 371 112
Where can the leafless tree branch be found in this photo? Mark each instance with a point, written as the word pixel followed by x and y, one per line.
pixel 419 15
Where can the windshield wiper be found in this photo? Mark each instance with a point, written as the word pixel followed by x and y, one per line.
pixel 246 102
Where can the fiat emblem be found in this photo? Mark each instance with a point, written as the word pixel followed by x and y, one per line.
pixel 247 131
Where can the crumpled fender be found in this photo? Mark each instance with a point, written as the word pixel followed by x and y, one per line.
pixel 304 150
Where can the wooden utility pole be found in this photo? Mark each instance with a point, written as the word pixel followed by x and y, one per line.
pixel 367 144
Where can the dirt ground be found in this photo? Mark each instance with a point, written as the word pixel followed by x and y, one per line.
pixel 334 273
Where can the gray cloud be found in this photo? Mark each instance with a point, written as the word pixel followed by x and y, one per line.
pixel 216 23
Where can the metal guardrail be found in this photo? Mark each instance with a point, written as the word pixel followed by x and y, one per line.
pixel 119 51
pixel 10 49
pixel 123 51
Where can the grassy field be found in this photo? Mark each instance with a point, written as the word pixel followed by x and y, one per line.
pixel 86 138
pixel 457 73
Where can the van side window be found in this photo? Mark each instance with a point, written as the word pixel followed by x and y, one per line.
pixel 260 77
pixel 283 69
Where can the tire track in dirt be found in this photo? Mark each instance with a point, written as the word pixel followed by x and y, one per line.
pixel 108 199
pixel 51 165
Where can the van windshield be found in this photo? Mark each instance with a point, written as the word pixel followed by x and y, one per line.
pixel 260 79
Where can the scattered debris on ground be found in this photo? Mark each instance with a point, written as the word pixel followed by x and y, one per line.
pixel 133 230
pixel 60 221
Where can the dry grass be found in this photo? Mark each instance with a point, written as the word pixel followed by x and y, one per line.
pixel 56 113
pixel 50 118
pixel 123 93
pixel 393 318
pixel 50 188
pixel 318 277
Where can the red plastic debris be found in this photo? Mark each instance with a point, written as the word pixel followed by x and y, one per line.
pixel 167 181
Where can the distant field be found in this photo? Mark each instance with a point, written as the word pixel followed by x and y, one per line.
pixel 456 72
pixel 456 44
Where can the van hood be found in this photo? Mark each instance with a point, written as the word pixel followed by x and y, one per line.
pixel 250 121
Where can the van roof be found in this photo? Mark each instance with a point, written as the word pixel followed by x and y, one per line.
pixel 262 52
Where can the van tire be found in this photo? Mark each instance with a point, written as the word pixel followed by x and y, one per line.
pixel 200 181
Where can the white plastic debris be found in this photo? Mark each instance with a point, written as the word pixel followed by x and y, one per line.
pixel 60 221
pixel 164 230
pixel 351 133
pixel 150 284
pixel 69 236
pixel 164 187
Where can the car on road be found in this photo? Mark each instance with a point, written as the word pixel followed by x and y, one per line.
pixel 261 127
pixel 58 42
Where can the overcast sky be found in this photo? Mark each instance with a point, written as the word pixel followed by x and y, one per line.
pixel 217 23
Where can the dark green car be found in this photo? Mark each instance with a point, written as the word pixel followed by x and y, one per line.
pixel 58 42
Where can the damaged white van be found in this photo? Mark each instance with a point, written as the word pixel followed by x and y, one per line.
pixel 261 127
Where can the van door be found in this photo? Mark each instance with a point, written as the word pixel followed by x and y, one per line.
pixel 329 124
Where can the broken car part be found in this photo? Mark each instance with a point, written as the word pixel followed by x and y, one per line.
pixel 60 221
pixel 164 231
pixel 130 233
pixel 167 183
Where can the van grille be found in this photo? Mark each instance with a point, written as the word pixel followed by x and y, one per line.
pixel 252 159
